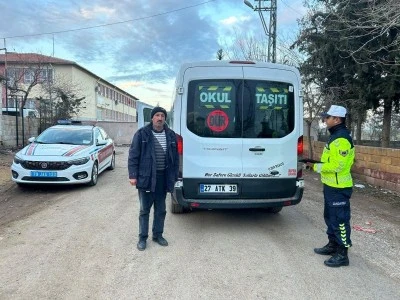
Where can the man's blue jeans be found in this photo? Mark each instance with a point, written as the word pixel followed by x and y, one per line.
pixel 147 199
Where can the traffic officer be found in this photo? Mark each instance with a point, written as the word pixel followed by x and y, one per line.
pixel 336 161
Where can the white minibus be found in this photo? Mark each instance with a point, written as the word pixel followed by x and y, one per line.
pixel 239 126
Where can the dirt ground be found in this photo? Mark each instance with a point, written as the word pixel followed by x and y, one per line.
pixel 80 243
pixel 6 157
pixel 385 203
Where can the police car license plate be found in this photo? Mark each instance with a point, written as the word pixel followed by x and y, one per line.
pixel 43 174
pixel 218 188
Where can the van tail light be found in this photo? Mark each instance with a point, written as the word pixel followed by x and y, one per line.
pixel 300 150
pixel 179 140
pixel 300 146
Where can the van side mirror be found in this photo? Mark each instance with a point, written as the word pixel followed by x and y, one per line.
pixel 31 139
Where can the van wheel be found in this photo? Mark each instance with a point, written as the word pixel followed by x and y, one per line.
pixel 275 209
pixel 176 208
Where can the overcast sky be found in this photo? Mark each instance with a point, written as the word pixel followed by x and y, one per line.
pixel 137 45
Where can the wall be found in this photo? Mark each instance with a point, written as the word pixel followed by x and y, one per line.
pixel 376 166
pixel 9 133
pixel 120 132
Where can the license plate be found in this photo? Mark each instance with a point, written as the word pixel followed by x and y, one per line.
pixel 43 174
pixel 218 188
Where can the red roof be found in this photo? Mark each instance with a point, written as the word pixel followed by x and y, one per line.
pixel 13 57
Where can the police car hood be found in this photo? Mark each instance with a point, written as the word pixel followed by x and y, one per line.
pixel 63 150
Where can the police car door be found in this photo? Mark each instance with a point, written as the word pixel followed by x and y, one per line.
pixel 212 144
pixel 269 132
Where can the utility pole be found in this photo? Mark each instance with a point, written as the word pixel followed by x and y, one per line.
pixel 5 74
pixel 264 6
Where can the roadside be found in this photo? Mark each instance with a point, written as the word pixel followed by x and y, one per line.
pixel 375 213
pixel 384 203
pixel 6 157
pixel 35 216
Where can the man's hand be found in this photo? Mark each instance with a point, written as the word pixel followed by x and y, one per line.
pixel 132 181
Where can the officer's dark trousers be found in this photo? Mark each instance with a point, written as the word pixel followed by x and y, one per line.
pixel 337 214
pixel 147 199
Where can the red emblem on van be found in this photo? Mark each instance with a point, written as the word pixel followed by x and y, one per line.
pixel 217 120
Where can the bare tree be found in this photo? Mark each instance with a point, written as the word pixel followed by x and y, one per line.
pixel 31 76
pixel 23 76
pixel 376 23
pixel 220 54
pixel 313 106
pixel 249 47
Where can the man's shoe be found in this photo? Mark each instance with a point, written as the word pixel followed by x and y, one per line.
pixel 339 259
pixel 160 240
pixel 329 249
pixel 141 245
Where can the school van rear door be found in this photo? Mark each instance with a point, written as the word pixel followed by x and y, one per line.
pixel 271 129
pixel 212 141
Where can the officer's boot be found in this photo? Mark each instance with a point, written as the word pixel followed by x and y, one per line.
pixel 339 259
pixel 328 249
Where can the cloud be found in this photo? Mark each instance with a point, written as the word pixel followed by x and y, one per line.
pixel 144 41
pixel 232 20
pixel 90 13
pixel 131 84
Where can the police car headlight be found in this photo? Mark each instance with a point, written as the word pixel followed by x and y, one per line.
pixel 80 161
pixel 18 160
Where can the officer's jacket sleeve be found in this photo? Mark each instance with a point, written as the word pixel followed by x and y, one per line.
pixel 336 158
pixel 134 156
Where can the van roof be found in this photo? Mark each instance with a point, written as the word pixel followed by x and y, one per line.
pixel 219 63
pixel 233 63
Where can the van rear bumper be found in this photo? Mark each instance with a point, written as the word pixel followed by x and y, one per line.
pixel 227 203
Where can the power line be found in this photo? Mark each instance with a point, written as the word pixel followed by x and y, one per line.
pixel 287 5
pixel 110 24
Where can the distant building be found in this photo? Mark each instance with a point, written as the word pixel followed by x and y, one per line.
pixel 103 100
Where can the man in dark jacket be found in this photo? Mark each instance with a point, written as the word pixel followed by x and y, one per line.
pixel 153 166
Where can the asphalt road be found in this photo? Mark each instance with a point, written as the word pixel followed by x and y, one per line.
pixel 80 243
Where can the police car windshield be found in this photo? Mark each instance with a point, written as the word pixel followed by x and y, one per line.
pixel 73 136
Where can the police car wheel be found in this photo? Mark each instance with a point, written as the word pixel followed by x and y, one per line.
pixel 112 164
pixel 95 174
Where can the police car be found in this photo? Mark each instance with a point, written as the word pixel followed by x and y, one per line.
pixel 65 154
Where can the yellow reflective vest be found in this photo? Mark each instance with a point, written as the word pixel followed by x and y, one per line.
pixel 337 159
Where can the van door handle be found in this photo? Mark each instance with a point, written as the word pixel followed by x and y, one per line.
pixel 257 149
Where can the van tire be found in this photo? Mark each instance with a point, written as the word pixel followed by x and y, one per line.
pixel 275 209
pixel 176 208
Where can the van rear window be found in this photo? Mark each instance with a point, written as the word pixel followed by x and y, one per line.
pixel 240 108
